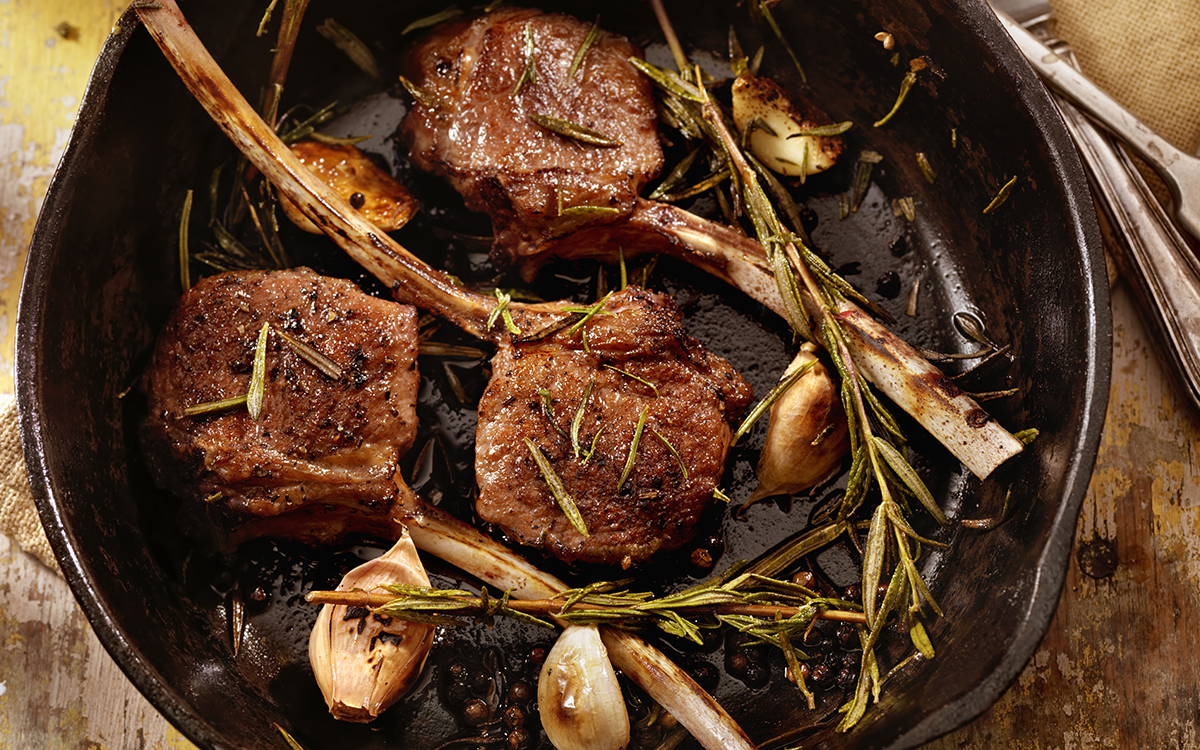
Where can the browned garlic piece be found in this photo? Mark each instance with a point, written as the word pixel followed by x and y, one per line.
pixel 579 698
pixel 365 662
pixel 779 123
pixel 378 196
pixel 807 436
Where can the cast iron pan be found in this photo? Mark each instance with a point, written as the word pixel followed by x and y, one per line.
pixel 102 279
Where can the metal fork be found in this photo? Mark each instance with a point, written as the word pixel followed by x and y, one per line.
pixel 1155 256
pixel 1179 170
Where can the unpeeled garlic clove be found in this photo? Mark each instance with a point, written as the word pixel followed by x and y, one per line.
pixel 778 120
pixel 364 662
pixel 810 410
pixel 579 699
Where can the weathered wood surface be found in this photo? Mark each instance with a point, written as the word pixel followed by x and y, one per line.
pixel 1115 670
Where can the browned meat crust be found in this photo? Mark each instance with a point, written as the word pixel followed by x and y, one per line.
pixel 635 355
pixel 534 183
pixel 320 442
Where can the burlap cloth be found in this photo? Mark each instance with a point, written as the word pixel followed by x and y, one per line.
pixel 1143 53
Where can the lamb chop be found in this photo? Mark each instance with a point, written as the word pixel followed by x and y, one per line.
pixel 332 425
pixel 551 195
pixel 634 417
pixel 502 90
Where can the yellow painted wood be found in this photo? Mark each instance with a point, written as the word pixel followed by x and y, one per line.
pixel 44 66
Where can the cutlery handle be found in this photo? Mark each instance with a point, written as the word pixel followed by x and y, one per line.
pixel 1068 81
pixel 1155 256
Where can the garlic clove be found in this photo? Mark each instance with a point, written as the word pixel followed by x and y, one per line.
pixel 365 662
pixel 778 121
pixel 579 699
pixel 811 410
pixel 378 196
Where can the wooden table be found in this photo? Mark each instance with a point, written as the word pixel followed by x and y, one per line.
pixel 1115 670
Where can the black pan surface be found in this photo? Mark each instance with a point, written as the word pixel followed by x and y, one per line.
pixel 102 279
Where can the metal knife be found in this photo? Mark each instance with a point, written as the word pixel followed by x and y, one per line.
pixel 1152 253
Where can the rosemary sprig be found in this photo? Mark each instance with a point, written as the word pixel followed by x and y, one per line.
pixel 771 611
pixel 812 295
pixel 631 376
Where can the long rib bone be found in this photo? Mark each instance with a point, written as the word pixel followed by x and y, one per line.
pixel 890 363
pixel 454 541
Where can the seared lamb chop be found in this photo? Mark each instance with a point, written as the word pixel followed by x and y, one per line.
pixel 326 441
pixel 491 82
pixel 631 381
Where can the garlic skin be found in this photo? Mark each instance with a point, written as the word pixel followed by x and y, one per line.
pixel 780 116
pixel 789 462
pixel 365 664
pixel 579 699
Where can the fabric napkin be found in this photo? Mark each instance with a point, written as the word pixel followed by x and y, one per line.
pixel 1142 54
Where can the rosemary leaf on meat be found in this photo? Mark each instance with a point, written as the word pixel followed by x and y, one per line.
pixel 580 133
pixel 586 312
pixel 592 36
pixel 529 74
pixel 633 447
pixel 630 375
pixel 327 366
pixel 674 453
pixel 210 407
pixel 557 489
pixel 548 410
pixel 258 374
pixel 502 311
pixel 577 420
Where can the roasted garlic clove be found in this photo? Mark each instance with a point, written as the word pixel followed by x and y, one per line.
pixel 579 699
pixel 368 189
pixel 807 436
pixel 778 122
pixel 364 662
